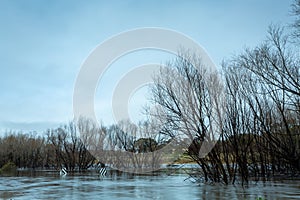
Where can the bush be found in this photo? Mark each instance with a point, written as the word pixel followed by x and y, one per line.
pixel 8 168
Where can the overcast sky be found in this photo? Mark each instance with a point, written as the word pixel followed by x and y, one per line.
pixel 44 43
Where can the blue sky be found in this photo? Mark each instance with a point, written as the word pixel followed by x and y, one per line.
pixel 44 43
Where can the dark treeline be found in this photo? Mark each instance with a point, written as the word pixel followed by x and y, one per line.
pixel 82 144
pixel 60 147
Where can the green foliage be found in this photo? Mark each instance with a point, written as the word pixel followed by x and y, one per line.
pixel 9 167
pixel 144 145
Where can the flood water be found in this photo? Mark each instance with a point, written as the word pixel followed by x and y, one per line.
pixel 49 185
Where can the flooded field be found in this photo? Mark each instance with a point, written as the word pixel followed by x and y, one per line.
pixel 49 185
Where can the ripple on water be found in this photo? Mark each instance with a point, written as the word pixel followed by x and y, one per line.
pixel 91 186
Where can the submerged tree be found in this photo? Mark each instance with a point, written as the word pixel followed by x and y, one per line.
pixel 265 83
pixel 189 99
pixel 258 121
pixel 70 150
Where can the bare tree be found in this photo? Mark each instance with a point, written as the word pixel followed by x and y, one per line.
pixel 296 24
pixel 70 150
pixel 262 104
pixel 133 147
pixel 189 96
pixel 275 70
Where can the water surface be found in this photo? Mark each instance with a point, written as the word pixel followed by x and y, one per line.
pixel 49 185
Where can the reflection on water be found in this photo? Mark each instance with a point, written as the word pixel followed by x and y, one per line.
pixel 49 185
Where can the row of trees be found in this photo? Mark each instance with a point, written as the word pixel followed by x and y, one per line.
pixel 60 147
pixel 82 144
pixel 23 150
pixel 125 146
